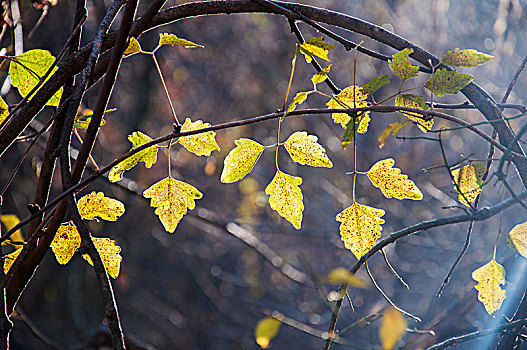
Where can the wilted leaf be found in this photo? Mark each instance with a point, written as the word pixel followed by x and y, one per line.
pixel 392 328
pixel 171 39
pixel 393 129
pixel 133 48
pixel 172 198
pixel 341 275
pixel 10 221
pixel 316 47
pixel 360 228
pixel 200 144
pixel 320 76
pixel 240 161
pixel 489 278
pixel 518 236
pixel 375 84
pixel 391 182
pixel 348 98
pixel 4 111
pixel 27 69
pixel 9 259
pixel 286 197
pixel 304 149
pixel 266 330
pixel 67 240
pixel 109 253
pixel 148 156
pixel 299 98
pixel 447 82
pixel 97 205
pixel 465 58
pixel 83 120
pixel 400 65
pixel 418 102
pixel 469 179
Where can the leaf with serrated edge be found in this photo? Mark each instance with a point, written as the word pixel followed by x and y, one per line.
pixel 299 98
pixel 418 102
pixel 490 277
pixel 133 48
pixel 148 156
pixel 97 205
pixel 4 111
pixel 518 236
pixel 286 197
pixel 200 144
pixel 172 198
pixel 320 76
pixel 469 179
pixel 392 328
pixel 465 58
pixel 447 82
pixel 304 149
pixel 316 47
pixel 9 259
pixel 109 253
pixel 393 129
pixel 360 228
pixel 375 84
pixel 171 39
pixel 27 69
pixel 10 221
pixel 347 98
pixel 266 329
pixel 400 65
pixel 241 160
pixel 391 182
pixel 66 241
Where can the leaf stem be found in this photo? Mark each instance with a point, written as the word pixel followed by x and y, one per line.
pixel 176 122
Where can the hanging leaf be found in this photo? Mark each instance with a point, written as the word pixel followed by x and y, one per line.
pixel 320 76
pixel 393 129
pixel 133 48
pixel 360 228
pixel 316 47
pixel 27 69
pixel 171 39
pixel 148 156
pixel 447 82
pixel 348 98
pixel 200 144
pixel 401 66
pixel 299 98
pixel 286 197
pixel 465 58
pixel 10 221
pixel 351 129
pixel 241 160
pixel 109 253
pixel 341 275
pixel 418 102
pixel 490 277
pixel 82 121
pixel 469 179
pixel 67 240
pixel 4 110
pixel 375 84
pixel 266 330
pixel 9 259
pixel 391 182
pixel 518 236
pixel 172 198
pixel 97 205
pixel 304 149
pixel 392 329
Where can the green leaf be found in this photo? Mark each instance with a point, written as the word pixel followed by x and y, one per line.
pixel 393 129
pixel 351 130
pixel 351 97
pixel 465 58
pixel 418 102
pixel 400 65
pixel 96 204
pixel 320 76
pixel 27 69
pixel 200 144
pixel 304 149
pixel 447 82
pixel 241 160
pixel 286 197
pixel 316 47
pixel 490 277
pixel 375 84
pixel 171 39
pixel 299 98
pixel 266 330
pixel 133 48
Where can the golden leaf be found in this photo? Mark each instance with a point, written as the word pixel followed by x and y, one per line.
pixel 392 328
pixel 97 205
pixel 341 275
pixel 400 65
pixel 133 48
pixel 4 110
pixel 489 278
pixel 316 47
pixel 469 179
pixel 286 197
pixel 393 129
pixel 66 241
pixel 9 259
pixel 391 182
pixel 171 39
pixel 266 330
pixel 200 144
pixel 415 101
pixel 82 120
pixel 518 236
pixel 348 98
pixel 304 149
pixel 240 161
pixel 109 253
pixel 10 221
pixel 299 99
pixel 320 76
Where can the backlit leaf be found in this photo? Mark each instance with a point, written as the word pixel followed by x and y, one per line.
pixel 148 156
pixel 469 179
pixel 447 82
pixel 465 58
pixel 518 236
pixel 391 182
pixel 9 259
pixel 109 253
pixel 240 161
pixel 286 197
pixel 171 39
pixel 200 144
pixel 27 69
pixel 320 76
pixel 304 149
pixel 316 47
pixel 4 111
pixel 299 98
pixel 133 48
pixel 418 102
pixel 348 98
pixel 67 240
pixel 392 328
pixel 490 277
pixel 97 205
pixel 10 221
pixel 172 198
pixel 341 275
pixel 351 129
pixel 360 228
pixel 375 84
pixel 400 65
pixel 83 120
pixel 266 330
pixel 391 130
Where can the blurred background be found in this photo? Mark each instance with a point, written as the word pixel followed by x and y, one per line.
pixel 233 258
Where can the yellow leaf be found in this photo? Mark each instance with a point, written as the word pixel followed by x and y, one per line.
pixel 299 99
pixel 286 197
pixel 171 198
pixel 518 236
pixel 10 221
pixel 391 182
pixel 392 328
pixel 66 242
pixel 469 179
pixel 82 121
pixel 489 278
pixel 341 275
pixel 360 228
pixel 316 47
pixel 465 58
pixel 320 76
pixel 97 205
pixel 133 48
pixel 171 39
pixel 415 101
pixel 148 156
pixel 9 259
pixel 109 253
pixel 200 144
pixel 240 161
pixel 304 149
pixel 27 69
pixel 348 99
pixel 400 65
pixel 4 111
pixel 393 129
pixel 266 330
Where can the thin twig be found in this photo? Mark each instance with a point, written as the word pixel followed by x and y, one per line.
pixel 392 270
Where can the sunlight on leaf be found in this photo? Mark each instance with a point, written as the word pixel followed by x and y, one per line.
pixel 286 197
pixel 82 121
pixel 375 84
pixel 266 330
pixel 447 82
pixel 401 66
pixel 469 179
pixel 316 47
pixel 9 259
pixel 391 130
pixel 360 228
pixel 490 277
pixel 299 98
pixel 10 221
pixel 97 205
pixel 392 329
pixel 172 198
pixel 4 110
pixel 304 149
pixel 518 236
pixel 241 160
pixel 348 99
pixel 67 240
pixel 200 144
pixel 341 275
pixel 171 39
pixel 391 182
pixel 418 102
pixel 133 48
pixel 320 76
pixel 109 253
pixel 465 58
